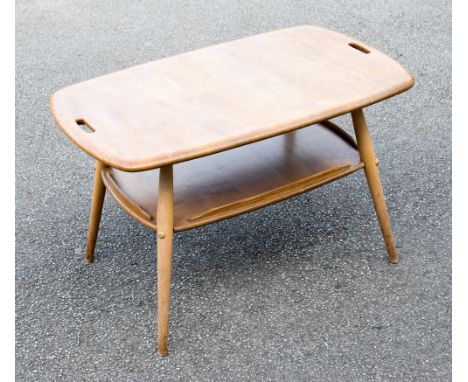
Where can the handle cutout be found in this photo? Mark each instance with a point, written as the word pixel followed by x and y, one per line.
pixel 86 127
pixel 359 47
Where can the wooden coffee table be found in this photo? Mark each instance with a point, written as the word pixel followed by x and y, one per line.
pixel 210 134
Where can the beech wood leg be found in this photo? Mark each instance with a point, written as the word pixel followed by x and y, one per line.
pixel 367 154
pixel 165 229
pixel 99 191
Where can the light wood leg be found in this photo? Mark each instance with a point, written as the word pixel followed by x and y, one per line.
pixel 165 226
pixel 367 154
pixel 99 191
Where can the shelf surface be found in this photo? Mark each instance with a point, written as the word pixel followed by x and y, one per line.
pixel 224 96
pixel 243 179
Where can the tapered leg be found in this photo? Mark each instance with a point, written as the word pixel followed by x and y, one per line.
pixel 165 224
pixel 99 191
pixel 367 154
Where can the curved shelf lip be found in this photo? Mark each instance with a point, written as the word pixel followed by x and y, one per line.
pixel 300 186
pixel 123 201
pixel 211 216
pixel 116 181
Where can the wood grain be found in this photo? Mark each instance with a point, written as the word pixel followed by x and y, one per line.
pixel 367 155
pixel 213 99
pixel 99 192
pixel 165 219
pixel 226 184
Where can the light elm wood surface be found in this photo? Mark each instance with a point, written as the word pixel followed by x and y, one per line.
pixel 224 96
pixel 367 155
pixel 165 220
pixel 243 179
pixel 99 192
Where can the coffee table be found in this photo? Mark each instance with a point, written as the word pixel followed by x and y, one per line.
pixel 206 135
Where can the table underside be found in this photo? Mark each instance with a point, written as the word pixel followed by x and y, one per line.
pixel 243 179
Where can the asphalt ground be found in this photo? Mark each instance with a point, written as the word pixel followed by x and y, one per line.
pixel 299 291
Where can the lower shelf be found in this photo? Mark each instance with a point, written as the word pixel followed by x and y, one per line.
pixel 243 179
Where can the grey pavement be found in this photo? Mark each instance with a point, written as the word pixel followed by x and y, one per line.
pixel 299 291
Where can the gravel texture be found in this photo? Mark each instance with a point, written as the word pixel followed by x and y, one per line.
pixel 299 291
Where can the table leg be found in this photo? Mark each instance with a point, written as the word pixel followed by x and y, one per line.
pixel 367 154
pixel 99 191
pixel 165 229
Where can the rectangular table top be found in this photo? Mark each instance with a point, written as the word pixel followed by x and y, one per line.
pixel 216 98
